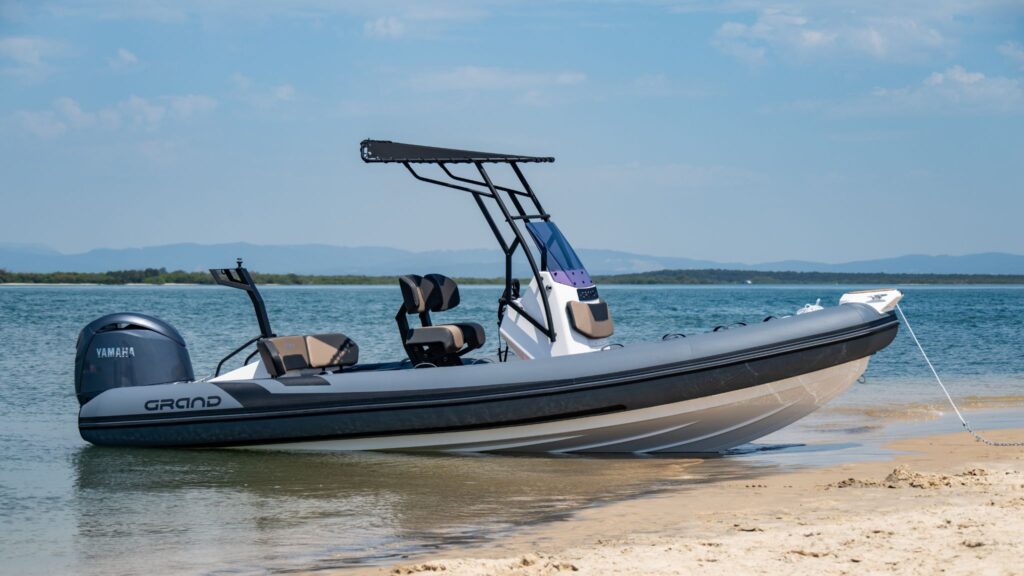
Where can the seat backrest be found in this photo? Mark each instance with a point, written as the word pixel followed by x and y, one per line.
pixel 433 293
pixel 284 354
pixel 593 320
pixel 329 350
pixel 444 295
pixel 413 288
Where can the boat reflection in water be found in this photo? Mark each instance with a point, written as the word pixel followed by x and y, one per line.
pixel 219 510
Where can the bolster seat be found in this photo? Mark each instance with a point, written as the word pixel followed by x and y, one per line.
pixel 435 344
pixel 282 355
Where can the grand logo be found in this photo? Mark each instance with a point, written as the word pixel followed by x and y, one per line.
pixel 182 403
pixel 116 352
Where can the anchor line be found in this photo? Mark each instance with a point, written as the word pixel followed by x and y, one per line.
pixel 956 409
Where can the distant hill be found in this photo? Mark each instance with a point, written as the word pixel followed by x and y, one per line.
pixel 323 259
pixel 984 263
pixel 157 276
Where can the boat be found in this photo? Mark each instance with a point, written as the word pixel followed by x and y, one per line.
pixel 560 382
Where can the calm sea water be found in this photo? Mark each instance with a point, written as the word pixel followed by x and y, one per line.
pixel 66 507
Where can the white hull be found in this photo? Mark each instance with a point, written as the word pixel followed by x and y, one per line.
pixel 709 424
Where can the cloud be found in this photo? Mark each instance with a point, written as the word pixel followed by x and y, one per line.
pixel 71 111
pixel 142 113
pixel 145 10
pixel 954 91
pixel 384 27
pixel 282 93
pixel 123 59
pixel 433 16
pixel 262 96
pixel 44 124
pixel 190 104
pixel 661 85
pixel 958 90
pixel 477 78
pixel 675 177
pixel 135 112
pixel 811 32
pixel 28 56
pixel 881 30
pixel 1013 51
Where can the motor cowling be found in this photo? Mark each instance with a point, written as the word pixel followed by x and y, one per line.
pixel 129 349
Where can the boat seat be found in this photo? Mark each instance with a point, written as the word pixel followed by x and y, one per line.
pixel 315 353
pixel 442 344
pixel 593 320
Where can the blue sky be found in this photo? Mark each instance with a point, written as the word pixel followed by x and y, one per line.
pixel 732 130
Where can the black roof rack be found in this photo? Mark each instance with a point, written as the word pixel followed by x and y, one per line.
pixel 387 151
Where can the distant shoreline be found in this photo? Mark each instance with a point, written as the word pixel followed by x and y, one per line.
pixel 705 277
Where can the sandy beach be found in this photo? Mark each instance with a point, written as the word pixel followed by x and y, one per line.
pixel 947 504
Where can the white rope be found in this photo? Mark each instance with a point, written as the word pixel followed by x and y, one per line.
pixel 959 415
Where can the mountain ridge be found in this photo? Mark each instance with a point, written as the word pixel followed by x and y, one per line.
pixel 380 260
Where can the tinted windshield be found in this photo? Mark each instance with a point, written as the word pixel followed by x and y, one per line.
pixel 563 263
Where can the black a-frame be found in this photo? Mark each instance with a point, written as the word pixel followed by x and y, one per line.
pixel 384 151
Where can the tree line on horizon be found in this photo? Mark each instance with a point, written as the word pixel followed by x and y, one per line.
pixel 157 276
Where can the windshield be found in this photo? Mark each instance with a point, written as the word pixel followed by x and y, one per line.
pixel 563 263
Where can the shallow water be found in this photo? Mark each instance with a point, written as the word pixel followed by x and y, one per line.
pixel 69 507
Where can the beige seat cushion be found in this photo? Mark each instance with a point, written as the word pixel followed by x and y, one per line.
pixel 329 350
pixel 290 351
pixel 448 335
pixel 284 355
pixel 593 320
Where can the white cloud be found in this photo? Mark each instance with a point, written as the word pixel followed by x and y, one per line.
pixel 475 78
pixel 123 59
pixel 662 85
pixel 44 124
pixel 536 98
pixel 71 111
pixel 1013 51
pixel 385 27
pixel 262 96
pixel 676 177
pixel 954 91
pixel 431 18
pixel 282 93
pixel 957 89
pixel 142 113
pixel 241 81
pixel 27 56
pixel 134 112
pixel 905 31
pixel 812 32
pixel 190 104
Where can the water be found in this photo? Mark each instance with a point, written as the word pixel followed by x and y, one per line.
pixel 69 507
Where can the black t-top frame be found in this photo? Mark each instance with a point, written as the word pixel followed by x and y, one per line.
pixel 384 151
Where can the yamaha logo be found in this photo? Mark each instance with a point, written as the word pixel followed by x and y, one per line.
pixel 182 403
pixel 116 352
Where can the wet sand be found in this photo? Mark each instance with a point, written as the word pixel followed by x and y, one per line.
pixel 946 504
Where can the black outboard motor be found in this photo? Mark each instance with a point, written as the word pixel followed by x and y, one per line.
pixel 128 349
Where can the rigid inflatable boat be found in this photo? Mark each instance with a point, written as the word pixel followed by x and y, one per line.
pixel 560 382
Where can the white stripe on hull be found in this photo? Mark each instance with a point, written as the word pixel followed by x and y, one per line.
pixel 709 424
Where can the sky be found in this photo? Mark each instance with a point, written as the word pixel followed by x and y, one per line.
pixel 734 131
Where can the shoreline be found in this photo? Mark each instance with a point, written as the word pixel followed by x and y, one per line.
pixel 386 281
pixel 943 503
